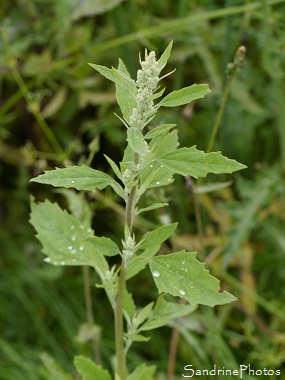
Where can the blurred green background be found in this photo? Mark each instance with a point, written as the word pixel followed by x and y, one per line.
pixel 55 110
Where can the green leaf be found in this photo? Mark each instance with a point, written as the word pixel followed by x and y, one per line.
pixel 143 314
pixel 157 237
pixel 138 262
pixel 54 369
pixel 136 140
pixel 104 245
pixel 150 243
pixel 80 178
pixel 165 56
pixel 152 207
pixel 118 77
pixel 155 174
pixel 64 237
pixel 142 373
pixel 90 370
pixel 196 163
pixel 128 304
pixel 77 204
pixel 184 96
pixel 159 131
pixel 126 99
pixel 164 312
pixel 115 168
pixel 137 337
pixel 181 274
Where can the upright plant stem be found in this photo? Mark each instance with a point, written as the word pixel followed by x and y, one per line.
pixel 89 311
pixel 219 115
pixel 119 320
pixel 119 325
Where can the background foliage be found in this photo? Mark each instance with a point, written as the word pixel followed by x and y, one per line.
pixel 55 110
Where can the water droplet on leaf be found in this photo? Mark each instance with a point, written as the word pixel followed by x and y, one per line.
pixel 155 273
pixel 182 292
pixel 47 259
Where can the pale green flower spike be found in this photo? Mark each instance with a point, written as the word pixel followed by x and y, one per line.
pixel 147 81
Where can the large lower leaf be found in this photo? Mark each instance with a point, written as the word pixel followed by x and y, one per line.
pixel 64 238
pixel 181 274
pixel 90 370
pixel 80 178
pixel 196 163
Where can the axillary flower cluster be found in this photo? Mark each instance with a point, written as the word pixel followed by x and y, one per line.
pixel 147 81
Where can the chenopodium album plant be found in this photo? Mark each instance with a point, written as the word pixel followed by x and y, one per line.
pixel 150 160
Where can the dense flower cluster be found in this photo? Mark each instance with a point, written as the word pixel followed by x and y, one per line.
pixel 147 80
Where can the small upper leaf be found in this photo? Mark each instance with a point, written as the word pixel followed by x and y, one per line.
pixel 119 77
pixel 165 56
pixel 196 163
pixel 181 274
pixel 90 370
pixel 136 140
pixel 104 245
pixel 185 95
pixel 157 237
pixel 126 99
pixel 164 312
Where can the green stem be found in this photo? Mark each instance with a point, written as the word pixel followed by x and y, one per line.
pixel 119 320
pixel 130 202
pixel 219 115
pixel 89 309
pixel 210 146
pixel 119 325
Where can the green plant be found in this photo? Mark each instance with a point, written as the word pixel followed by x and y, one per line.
pixel 150 160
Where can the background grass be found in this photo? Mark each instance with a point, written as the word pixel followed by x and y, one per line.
pixel 54 109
